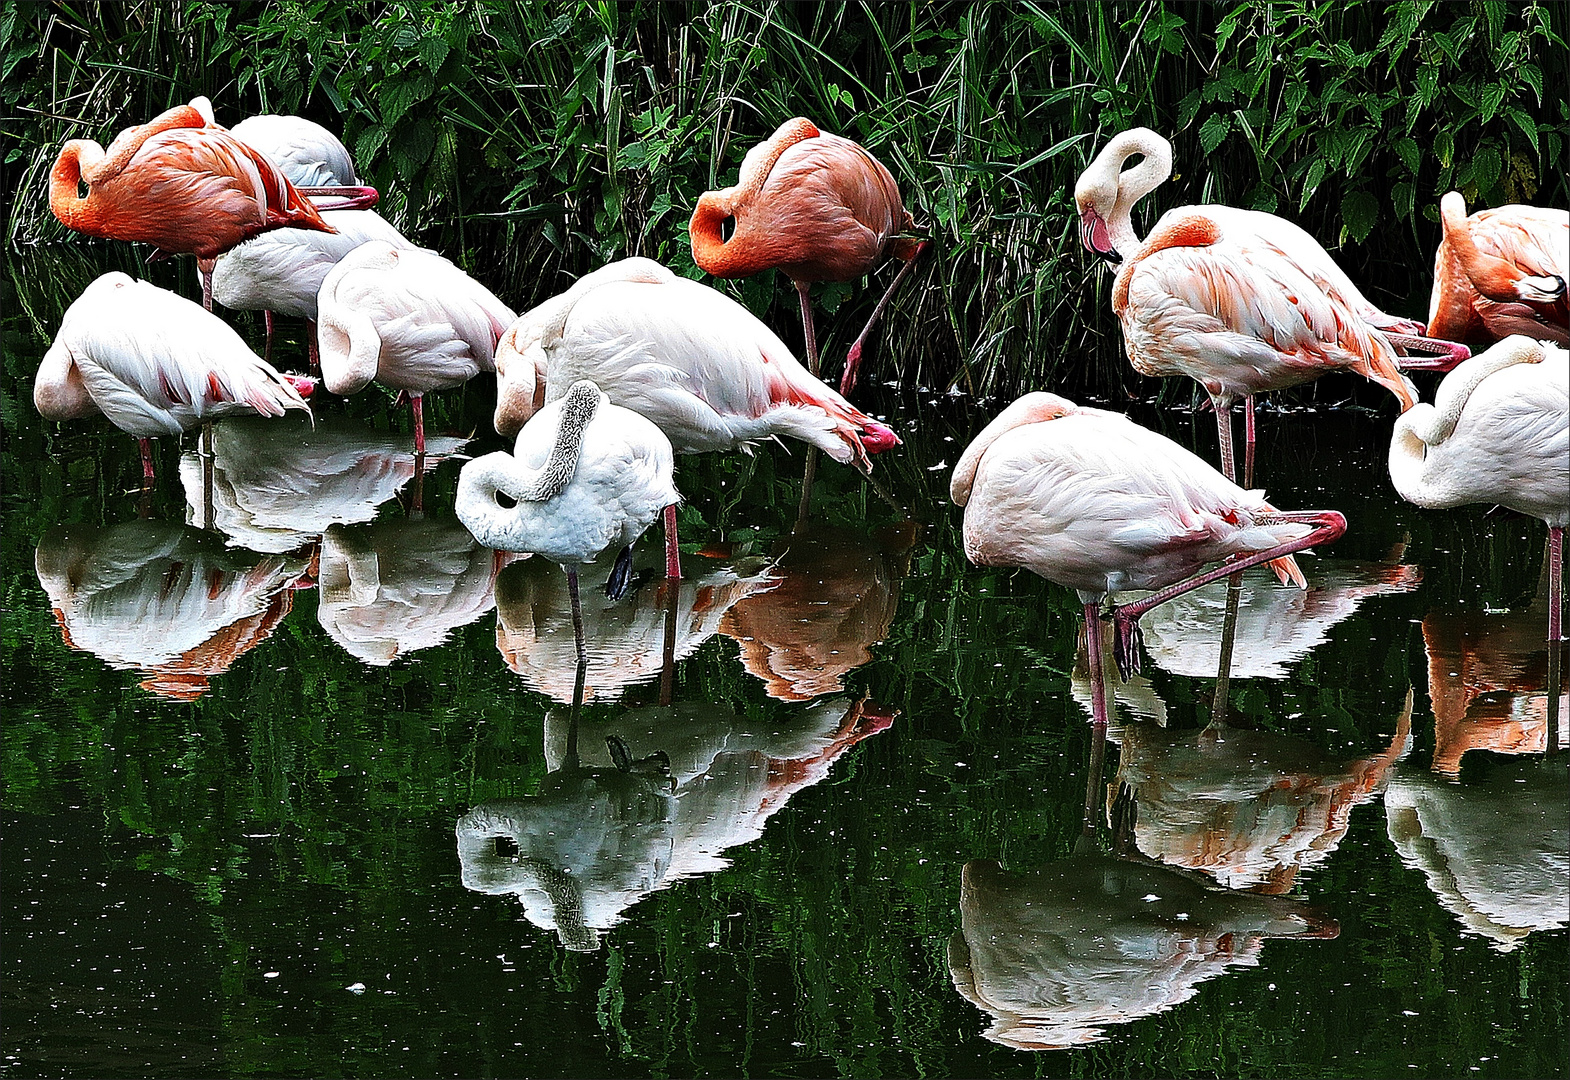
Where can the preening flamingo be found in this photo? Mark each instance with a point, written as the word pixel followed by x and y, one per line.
pixel 1501 272
pixel 155 364
pixel 282 271
pixel 816 207
pixel 1241 301
pixel 309 155
pixel 178 183
pixel 687 357
pixel 407 318
pixel 584 476
pixel 1090 500
pixel 1498 432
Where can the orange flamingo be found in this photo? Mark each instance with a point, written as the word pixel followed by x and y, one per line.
pixel 1500 272
pixel 814 206
pixel 179 183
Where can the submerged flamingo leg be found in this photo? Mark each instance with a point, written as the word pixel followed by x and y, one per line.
pixel 416 401
pixel 312 351
pixel 147 460
pixel 1328 525
pixel 1224 436
pixel 1098 679
pixel 577 615
pixel 672 552
pixel 1556 543
pixel 267 349
pixel 853 358
pixel 1248 441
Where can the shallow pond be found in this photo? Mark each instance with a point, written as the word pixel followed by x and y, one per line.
pixel 302 793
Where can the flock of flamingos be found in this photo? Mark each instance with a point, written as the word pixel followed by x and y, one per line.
pixel 603 383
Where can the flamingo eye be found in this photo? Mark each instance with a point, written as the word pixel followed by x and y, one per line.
pixel 505 501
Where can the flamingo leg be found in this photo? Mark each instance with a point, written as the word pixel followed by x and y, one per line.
pixel 207 475
pixel 267 349
pixel 672 552
pixel 1248 441
pixel 577 616
pixel 205 268
pixel 810 338
pixel 312 350
pixel 853 358
pixel 416 402
pixel 1218 703
pixel 1098 680
pixel 417 499
pixel 1328 525
pixel 668 653
pixel 147 460
pixel 1224 434
pixel 1556 541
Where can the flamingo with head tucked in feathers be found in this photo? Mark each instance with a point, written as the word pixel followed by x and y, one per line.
pixel 179 183
pixel 1090 500
pixel 692 360
pixel 816 207
pixel 155 364
pixel 1241 301
pixel 1501 272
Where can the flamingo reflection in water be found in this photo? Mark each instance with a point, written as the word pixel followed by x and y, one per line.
pixel 835 598
pixel 398 586
pixel 278 485
pixel 635 805
pixel 625 640
pixel 165 599
pixel 1492 847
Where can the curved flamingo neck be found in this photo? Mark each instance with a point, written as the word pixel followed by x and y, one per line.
pixel 1134 184
pixel 739 256
pixel 65 180
pixel 128 142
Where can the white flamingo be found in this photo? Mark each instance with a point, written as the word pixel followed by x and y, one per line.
pixel 155 364
pixel 1498 432
pixel 408 319
pixel 692 360
pixel 1093 501
pixel 584 476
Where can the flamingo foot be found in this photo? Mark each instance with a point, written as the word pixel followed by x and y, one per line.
pixel 621 575
pixel 1126 642
pixel 304 385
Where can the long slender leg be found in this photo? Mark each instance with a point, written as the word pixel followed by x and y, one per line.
pixel 1556 541
pixel 312 350
pixel 1248 440
pixel 417 402
pixel 267 349
pixel 1224 437
pixel 1328 525
pixel 1098 723
pixel 1218 703
pixel 577 615
pixel 672 551
pixel 853 358
pixel 1098 683
pixel 810 337
pixel 668 654
pixel 417 498
pixel 205 268
pixel 147 460
pixel 207 475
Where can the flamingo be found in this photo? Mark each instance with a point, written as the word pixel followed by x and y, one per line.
pixel 407 318
pixel 282 271
pixel 1501 272
pixel 815 206
pixel 1241 301
pixel 179 183
pixel 687 357
pixel 1498 432
pixel 584 476
pixel 155 364
pixel 1090 500
pixel 309 155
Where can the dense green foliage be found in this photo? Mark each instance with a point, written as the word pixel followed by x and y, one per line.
pixel 533 142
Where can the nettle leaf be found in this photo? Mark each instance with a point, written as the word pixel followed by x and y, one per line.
pixel 433 50
pixel 1526 124
pixel 1316 175
pixel 1486 164
pixel 1399 33
pixel 1493 95
pixel 1410 154
pixel 1360 212
pixel 1403 194
pixel 1214 132
pixel 1533 77
pixel 370 141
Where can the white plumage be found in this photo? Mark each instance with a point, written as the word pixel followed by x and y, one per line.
pixel 308 154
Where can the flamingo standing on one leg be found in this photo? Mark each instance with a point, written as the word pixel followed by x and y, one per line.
pixel 584 476
pixel 687 357
pixel 179 183
pixel 1498 432
pixel 155 364
pixel 410 320
pixel 815 206
pixel 1241 301
pixel 1501 272
pixel 1091 500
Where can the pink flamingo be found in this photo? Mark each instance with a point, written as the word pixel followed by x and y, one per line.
pixel 1242 302
pixel 1501 272
pixel 1092 501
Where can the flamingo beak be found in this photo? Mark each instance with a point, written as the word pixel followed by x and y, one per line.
pixel 1096 237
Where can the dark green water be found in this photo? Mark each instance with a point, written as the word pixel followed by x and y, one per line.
pixel 304 807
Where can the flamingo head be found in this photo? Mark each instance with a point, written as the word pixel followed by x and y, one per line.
pixel 1097 236
pixel 876 437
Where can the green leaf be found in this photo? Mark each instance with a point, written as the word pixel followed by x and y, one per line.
pixel 1214 132
pixel 1411 156
pixel 1486 164
pixel 1360 212
pixel 433 50
pixel 1316 174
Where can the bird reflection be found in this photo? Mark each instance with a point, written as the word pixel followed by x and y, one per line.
pixel 1493 848
pixel 278 485
pixel 1276 626
pixel 835 599
pixel 1488 679
pixel 656 796
pixel 1058 953
pixel 625 638
pixel 398 586
pixel 165 599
